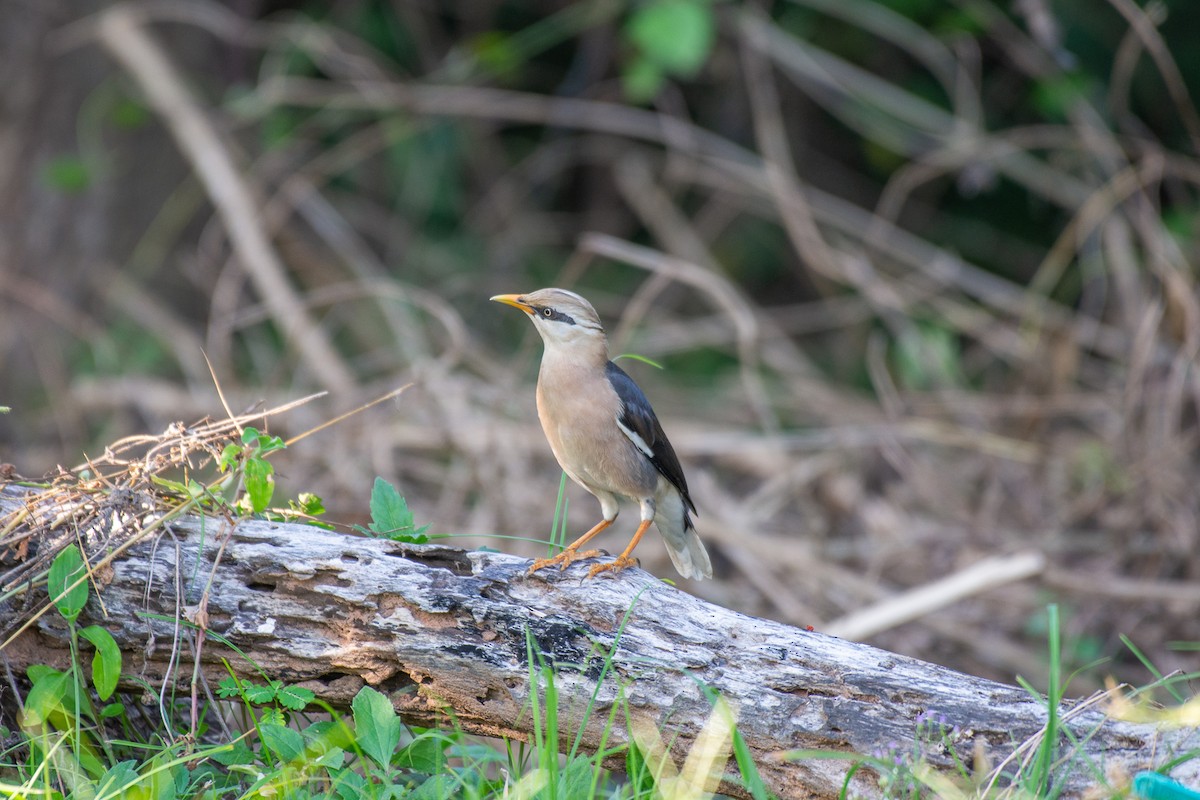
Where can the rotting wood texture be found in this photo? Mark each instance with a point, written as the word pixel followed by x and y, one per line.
pixel 441 629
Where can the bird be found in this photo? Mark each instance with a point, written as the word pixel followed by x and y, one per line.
pixel 606 436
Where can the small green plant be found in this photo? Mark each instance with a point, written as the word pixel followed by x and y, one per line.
pixel 390 517
pixel 257 474
pixel 249 479
pixel 1040 777
pixel 68 586
pixel 273 699
pixel 248 485
pixel 306 508
pixel 375 756
pixel 63 726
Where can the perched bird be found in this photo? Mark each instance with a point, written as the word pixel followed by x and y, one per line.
pixel 605 435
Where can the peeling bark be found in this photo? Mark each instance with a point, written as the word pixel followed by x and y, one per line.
pixel 445 630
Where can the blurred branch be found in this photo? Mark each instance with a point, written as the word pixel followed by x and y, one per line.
pixel 898 119
pixel 728 161
pixel 916 603
pixel 1146 29
pixel 121 32
pixel 661 216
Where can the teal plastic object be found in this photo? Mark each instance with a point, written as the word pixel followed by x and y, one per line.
pixel 1152 786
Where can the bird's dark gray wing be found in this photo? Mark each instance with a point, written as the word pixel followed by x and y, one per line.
pixel 637 418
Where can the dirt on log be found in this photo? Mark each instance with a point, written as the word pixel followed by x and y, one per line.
pixel 446 631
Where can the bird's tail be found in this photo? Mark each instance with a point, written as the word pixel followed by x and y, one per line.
pixel 684 546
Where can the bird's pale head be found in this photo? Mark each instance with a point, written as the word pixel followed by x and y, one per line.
pixel 563 318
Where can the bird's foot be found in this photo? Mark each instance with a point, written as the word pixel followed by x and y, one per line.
pixel 616 565
pixel 564 559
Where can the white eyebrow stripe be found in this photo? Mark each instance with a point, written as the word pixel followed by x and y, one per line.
pixel 638 441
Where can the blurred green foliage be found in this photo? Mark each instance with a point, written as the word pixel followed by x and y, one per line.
pixel 68 174
pixel 671 38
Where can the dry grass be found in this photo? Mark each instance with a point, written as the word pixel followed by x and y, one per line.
pixel 886 412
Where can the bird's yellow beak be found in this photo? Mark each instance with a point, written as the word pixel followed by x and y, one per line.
pixel 513 300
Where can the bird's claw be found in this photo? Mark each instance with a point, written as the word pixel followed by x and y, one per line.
pixel 616 565
pixel 564 559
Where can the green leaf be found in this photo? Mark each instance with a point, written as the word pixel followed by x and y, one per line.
pixel 928 356
pixel 389 511
pixel 576 777
pixel 45 697
pixel 112 710
pixel 191 490
pixel 376 725
pixel 423 755
pixel 258 694
pixel 106 664
pixel 642 79
pixel 228 687
pixel 119 776
pixel 254 439
pixel 390 516
pixel 239 754
pixel 229 456
pixel 285 743
pixel 349 785
pixel 65 571
pixel 271 715
pixel 330 734
pixel 68 174
pixel 37 672
pixel 438 787
pixel 294 698
pixel 129 114
pixel 269 444
pixel 308 503
pixel 1056 96
pixel 677 35
pixel 333 758
pixel 260 483
pixel 496 53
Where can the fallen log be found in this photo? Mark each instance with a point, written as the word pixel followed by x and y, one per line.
pixel 445 631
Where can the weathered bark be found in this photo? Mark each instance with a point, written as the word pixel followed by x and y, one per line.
pixel 440 629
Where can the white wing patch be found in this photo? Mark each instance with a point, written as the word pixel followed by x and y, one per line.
pixel 638 441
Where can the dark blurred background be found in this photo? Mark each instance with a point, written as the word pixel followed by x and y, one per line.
pixel 920 275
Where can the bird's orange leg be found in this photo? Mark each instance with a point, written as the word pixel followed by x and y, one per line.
pixel 625 559
pixel 571 554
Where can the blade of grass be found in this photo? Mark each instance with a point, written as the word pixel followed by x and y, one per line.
pixel 1153 670
pixel 558 526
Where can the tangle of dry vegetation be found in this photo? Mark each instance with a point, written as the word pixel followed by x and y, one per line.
pixel 886 438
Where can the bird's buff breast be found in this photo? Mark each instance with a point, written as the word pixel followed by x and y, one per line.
pixel 589 445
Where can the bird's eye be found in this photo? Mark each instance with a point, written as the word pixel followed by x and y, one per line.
pixel 548 312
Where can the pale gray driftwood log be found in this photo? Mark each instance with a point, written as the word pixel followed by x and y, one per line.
pixel 441 629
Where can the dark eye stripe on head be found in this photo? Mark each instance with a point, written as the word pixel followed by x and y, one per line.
pixel 557 316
